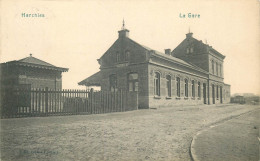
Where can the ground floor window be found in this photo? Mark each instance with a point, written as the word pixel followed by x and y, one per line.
pixel 133 82
pixel 199 88
pixel 186 88
pixel 193 88
pixel 157 84
pixel 169 85
pixel 113 82
pixel 178 84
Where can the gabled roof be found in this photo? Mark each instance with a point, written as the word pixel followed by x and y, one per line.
pixel 36 63
pixel 169 57
pixel 203 45
pixel 33 60
pixel 210 47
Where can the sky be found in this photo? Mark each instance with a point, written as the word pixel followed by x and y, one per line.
pixel 75 33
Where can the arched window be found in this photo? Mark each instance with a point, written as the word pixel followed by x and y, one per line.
pixel 133 82
pixel 178 84
pixel 193 88
pixel 168 85
pixel 157 84
pixel 191 50
pixel 188 50
pixel 199 88
pixel 220 69
pixel 113 82
pixel 127 55
pixel 117 56
pixel 186 88
pixel 217 68
pixel 213 67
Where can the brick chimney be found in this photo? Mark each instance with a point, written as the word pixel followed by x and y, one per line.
pixel 167 51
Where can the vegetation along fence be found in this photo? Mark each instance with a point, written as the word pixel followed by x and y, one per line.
pixel 46 102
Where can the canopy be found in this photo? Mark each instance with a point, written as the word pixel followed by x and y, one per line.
pixel 93 80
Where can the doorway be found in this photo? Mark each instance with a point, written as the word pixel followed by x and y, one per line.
pixel 221 100
pixel 204 93
pixel 213 94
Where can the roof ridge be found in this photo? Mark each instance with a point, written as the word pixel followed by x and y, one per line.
pixel 31 61
pixel 168 56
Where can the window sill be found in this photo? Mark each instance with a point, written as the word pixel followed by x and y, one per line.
pixel 186 98
pixel 178 98
pixel 168 97
pixel 157 97
pixel 193 98
pixel 199 98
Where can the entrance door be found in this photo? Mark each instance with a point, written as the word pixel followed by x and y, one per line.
pixel 213 94
pixel 221 101
pixel 204 93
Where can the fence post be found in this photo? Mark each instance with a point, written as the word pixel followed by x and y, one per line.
pixel 30 97
pixel 91 101
pixel 46 101
pixel 137 100
pixel 121 100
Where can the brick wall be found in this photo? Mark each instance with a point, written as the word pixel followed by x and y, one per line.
pixel 40 78
pixel 136 53
pixel 122 80
pixel 163 100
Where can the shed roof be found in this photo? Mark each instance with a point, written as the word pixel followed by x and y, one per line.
pixel 93 80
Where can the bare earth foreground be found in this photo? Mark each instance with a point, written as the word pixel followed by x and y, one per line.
pixel 235 139
pixel 162 134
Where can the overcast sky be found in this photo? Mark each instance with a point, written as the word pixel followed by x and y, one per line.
pixel 74 34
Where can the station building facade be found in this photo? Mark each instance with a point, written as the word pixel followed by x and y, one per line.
pixel 190 74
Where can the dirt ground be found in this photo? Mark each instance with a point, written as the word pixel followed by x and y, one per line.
pixel 162 134
pixel 235 139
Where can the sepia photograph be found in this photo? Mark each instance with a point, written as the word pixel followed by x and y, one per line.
pixel 130 80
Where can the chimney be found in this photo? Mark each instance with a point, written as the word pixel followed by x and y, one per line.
pixel 167 51
pixel 189 35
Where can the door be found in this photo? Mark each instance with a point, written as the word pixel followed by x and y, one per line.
pixel 221 101
pixel 213 94
pixel 204 93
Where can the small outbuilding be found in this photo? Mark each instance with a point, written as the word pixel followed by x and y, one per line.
pixel 31 72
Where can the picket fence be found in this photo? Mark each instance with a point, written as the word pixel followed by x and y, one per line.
pixel 47 102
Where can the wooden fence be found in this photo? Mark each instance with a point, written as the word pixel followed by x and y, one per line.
pixel 46 102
